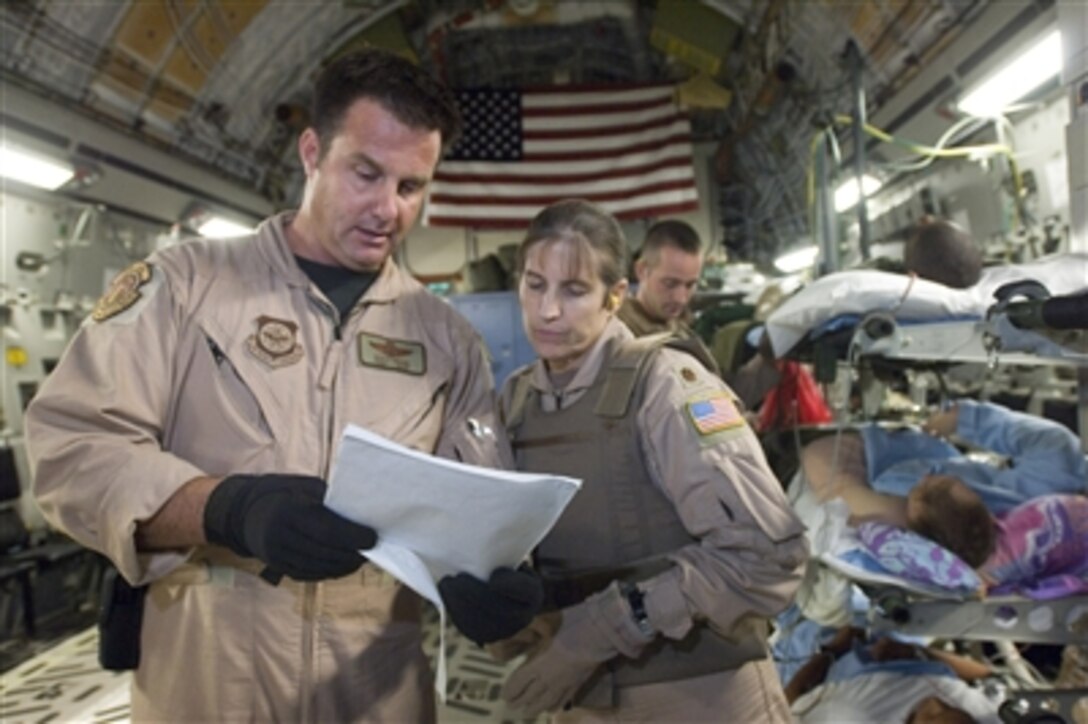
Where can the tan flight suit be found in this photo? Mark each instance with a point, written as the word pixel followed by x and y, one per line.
pixel 740 558
pixel 639 321
pixel 228 360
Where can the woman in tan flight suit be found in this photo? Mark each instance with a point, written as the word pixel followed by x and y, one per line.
pixel 662 572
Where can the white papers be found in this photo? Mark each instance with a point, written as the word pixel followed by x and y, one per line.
pixel 436 517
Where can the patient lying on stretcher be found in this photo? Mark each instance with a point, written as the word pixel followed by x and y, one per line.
pixel 1040 543
pixel 852 679
pixel 1021 520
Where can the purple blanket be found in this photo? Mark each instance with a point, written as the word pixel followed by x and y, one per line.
pixel 1042 548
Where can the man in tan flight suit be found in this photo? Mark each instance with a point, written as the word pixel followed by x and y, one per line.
pixel 188 429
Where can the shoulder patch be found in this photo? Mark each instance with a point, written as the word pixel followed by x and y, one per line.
pixel 714 414
pixel 123 292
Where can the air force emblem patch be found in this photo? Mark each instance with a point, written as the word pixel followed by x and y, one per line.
pixel 276 342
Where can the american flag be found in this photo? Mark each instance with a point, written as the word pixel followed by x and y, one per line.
pixel 628 150
pixel 717 413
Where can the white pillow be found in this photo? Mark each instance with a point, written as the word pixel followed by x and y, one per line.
pixel 860 291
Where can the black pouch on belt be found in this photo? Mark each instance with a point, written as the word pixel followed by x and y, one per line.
pixel 120 617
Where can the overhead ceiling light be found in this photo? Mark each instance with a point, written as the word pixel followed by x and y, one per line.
pixel 32 168
pixel 216 227
pixel 846 195
pixel 1035 66
pixel 211 224
pixel 797 260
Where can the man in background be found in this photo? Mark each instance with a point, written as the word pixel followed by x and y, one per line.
pixel 667 269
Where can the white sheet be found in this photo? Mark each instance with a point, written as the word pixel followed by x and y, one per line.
pixel 861 291
pixel 888 697
pixel 437 517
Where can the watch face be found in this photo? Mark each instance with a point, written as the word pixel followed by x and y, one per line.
pixel 635 600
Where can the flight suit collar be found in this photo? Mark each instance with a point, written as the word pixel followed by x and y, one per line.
pixel 591 365
pixel 392 282
pixel 273 245
pixel 640 313
pixel 638 310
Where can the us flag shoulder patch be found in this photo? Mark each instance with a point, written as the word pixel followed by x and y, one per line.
pixel 714 414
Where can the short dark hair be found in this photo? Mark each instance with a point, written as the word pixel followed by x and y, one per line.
pixel 404 89
pixel 941 251
pixel 589 226
pixel 954 516
pixel 671 232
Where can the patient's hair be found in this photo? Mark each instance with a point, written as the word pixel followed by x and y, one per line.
pixel 943 509
pixel 941 251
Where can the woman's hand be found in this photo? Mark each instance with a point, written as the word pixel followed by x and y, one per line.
pixel 528 640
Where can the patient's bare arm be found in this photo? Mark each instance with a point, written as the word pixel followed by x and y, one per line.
pixel 834 467
pixel 968 669
pixel 834 462
pixel 808 677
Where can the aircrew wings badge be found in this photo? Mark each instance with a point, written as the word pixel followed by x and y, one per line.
pixel 714 414
pixel 123 291
pixel 392 354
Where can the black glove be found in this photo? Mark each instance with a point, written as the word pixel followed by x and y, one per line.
pixel 495 610
pixel 283 521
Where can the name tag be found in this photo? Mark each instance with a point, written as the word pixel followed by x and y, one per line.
pixel 392 354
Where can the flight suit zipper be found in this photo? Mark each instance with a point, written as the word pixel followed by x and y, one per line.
pixel 326 385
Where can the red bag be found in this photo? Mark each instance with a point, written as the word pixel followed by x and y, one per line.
pixel 795 400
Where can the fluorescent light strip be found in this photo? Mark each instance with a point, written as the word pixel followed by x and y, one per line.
pixel 1037 65
pixel 216 227
pixel 846 195
pixel 795 261
pixel 32 169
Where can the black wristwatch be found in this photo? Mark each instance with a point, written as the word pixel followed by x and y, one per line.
pixel 635 600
